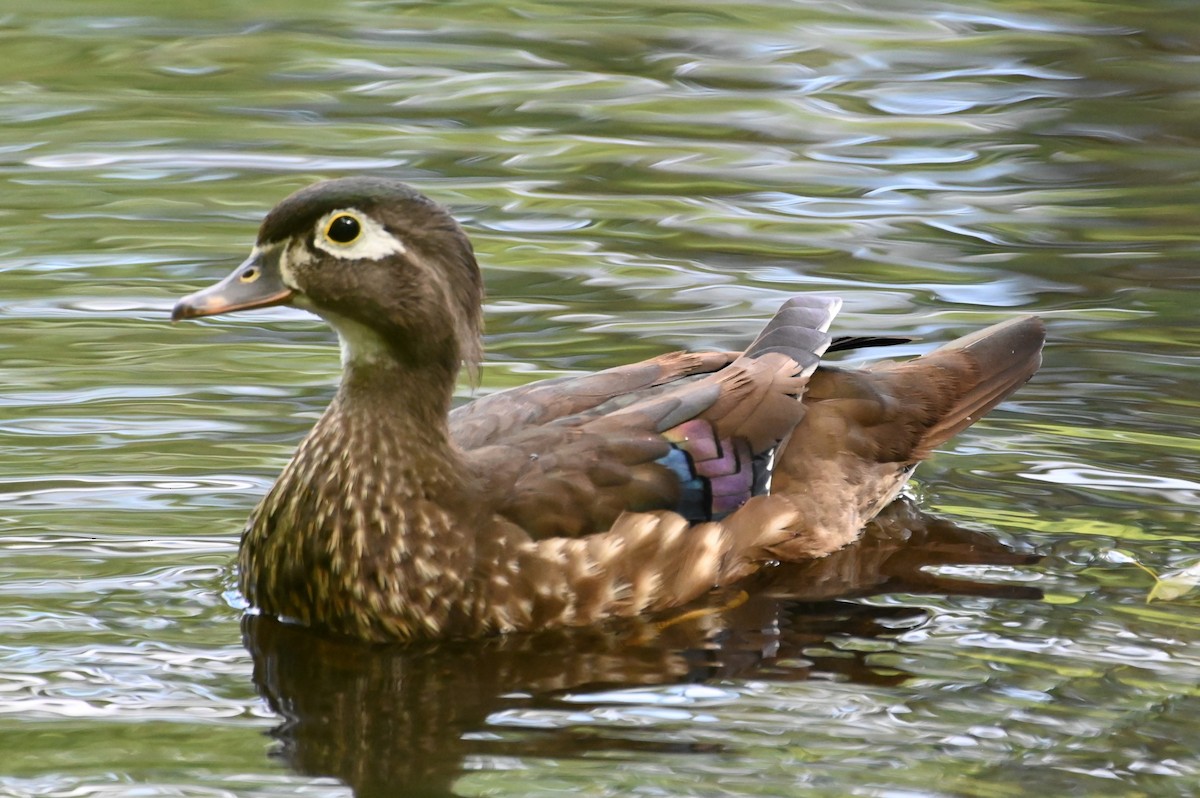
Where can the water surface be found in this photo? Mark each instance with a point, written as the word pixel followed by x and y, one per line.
pixel 637 177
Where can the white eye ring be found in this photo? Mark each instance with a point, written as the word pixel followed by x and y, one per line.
pixel 350 234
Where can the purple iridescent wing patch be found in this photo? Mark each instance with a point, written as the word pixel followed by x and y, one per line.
pixel 715 476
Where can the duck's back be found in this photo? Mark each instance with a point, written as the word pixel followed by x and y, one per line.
pixel 696 434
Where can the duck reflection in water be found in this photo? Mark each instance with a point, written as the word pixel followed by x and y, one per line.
pixel 396 719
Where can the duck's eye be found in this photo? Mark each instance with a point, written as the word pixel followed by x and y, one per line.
pixel 343 229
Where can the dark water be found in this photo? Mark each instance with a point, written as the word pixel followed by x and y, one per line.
pixel 637 177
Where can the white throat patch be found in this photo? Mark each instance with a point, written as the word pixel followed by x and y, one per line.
pixel 359 343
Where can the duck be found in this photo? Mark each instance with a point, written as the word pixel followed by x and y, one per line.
pixel 573 501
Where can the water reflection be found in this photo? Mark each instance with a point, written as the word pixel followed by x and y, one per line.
pixel 386 718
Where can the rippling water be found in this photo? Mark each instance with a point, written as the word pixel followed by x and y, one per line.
pixel 637 177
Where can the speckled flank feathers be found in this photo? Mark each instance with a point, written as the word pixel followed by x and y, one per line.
pixel 565 502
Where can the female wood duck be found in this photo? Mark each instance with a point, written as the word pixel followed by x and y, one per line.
pixel 563 502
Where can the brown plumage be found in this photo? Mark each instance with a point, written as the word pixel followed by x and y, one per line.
pixel 564 502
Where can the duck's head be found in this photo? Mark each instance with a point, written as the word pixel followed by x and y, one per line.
pixel 387 267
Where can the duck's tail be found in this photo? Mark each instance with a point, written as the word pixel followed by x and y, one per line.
pixel 865 430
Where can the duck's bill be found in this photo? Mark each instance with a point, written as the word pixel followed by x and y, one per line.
pixel 255 284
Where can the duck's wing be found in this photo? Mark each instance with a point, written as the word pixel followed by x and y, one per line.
pixel 700 447
pixel 861 435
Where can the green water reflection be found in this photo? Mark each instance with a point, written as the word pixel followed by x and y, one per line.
pixel 637 177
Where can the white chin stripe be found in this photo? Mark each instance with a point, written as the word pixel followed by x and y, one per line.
pixel 373 242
